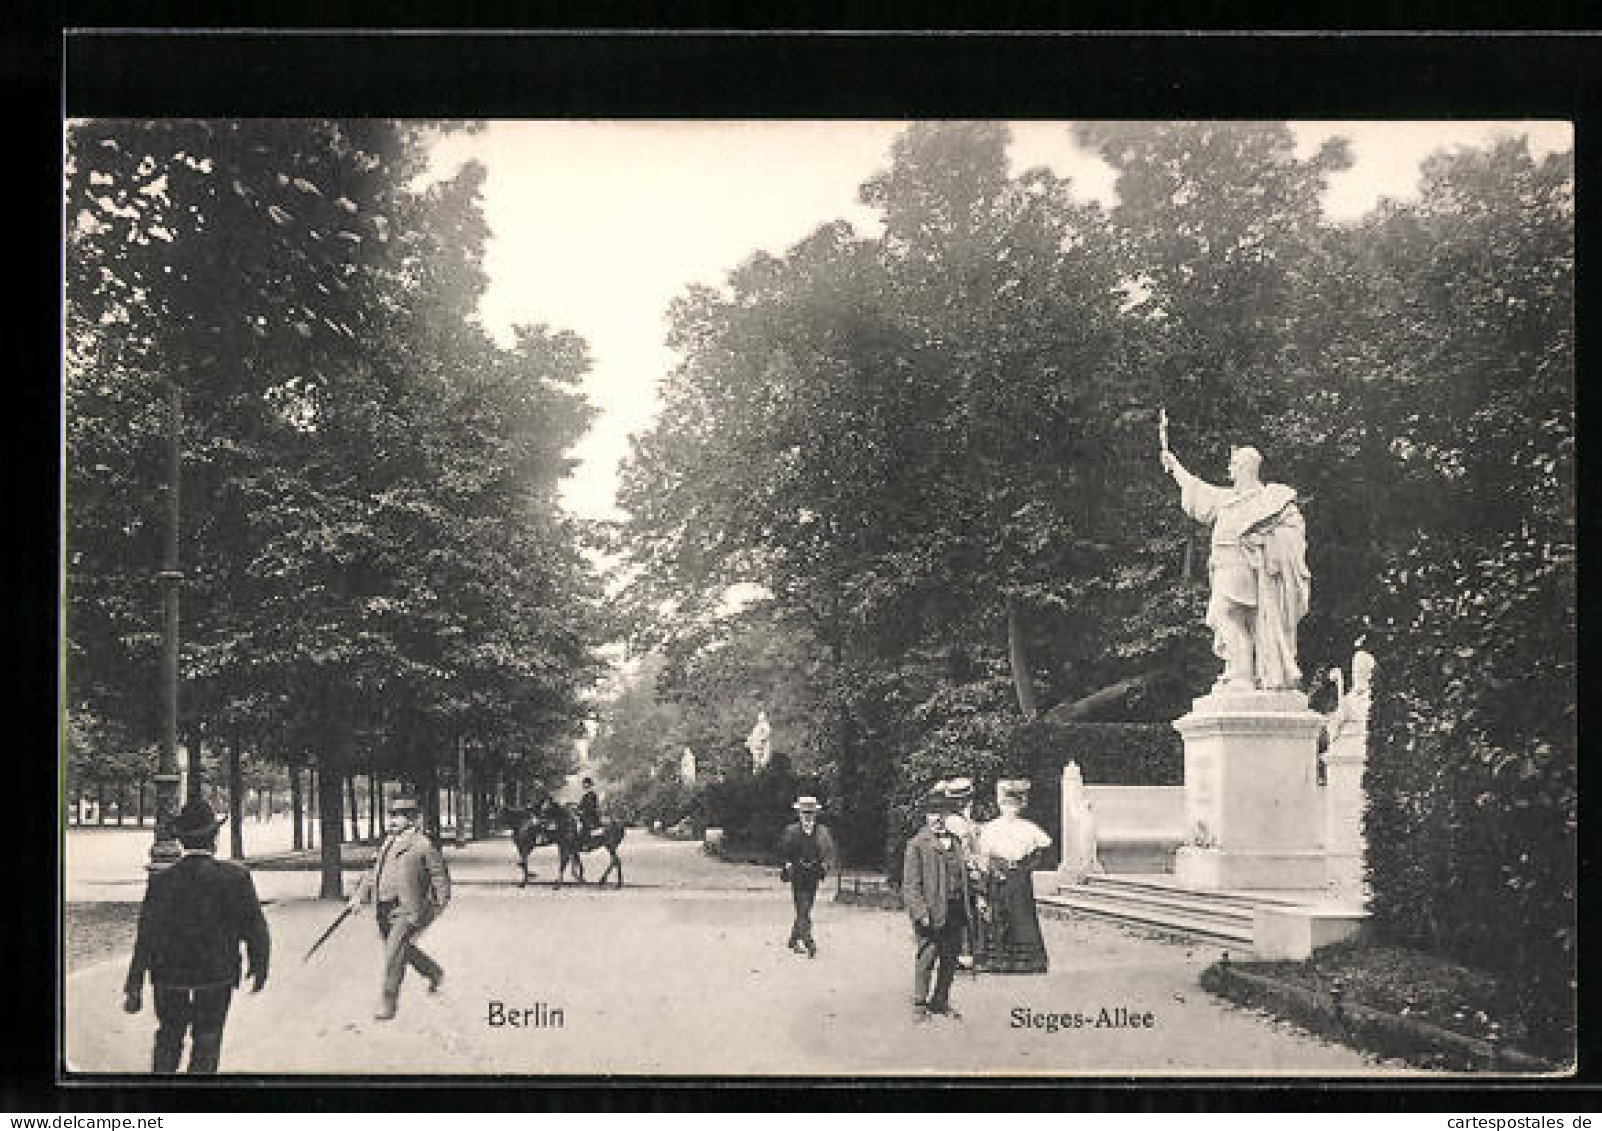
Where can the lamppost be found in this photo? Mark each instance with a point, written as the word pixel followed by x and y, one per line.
pixel 166 849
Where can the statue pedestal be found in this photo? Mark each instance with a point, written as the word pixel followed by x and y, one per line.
pixel 1253 815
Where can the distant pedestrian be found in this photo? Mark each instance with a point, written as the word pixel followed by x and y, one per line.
pixel 808 853
pixel 934 888
pixel 194 917
pixel 410 888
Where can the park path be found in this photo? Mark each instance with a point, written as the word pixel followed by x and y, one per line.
pixel 684 971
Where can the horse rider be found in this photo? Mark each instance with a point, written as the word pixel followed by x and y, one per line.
pixel 589 809
pixel 410 888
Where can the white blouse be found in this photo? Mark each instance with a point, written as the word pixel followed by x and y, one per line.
pixel 1011 838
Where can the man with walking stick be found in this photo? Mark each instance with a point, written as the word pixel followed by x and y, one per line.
pixel 410 887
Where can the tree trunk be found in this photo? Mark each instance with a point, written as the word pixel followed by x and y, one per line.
pixel 299 841
pixel 122 795
pixel 100 802
pixel 459 797
pixel 197 777
pixel 236 801
pixel 331 817
pixel 355 813
pixel 314 779
pixel 1083 709
pixel 375 799
pixel 1018 652
pixel 140 820
pixel 428 783
pixel 479 798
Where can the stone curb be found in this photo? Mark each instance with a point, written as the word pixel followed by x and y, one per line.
pixel 1365 1028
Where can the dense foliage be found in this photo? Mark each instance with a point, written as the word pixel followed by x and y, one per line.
pixel 934 448
pixel 375 565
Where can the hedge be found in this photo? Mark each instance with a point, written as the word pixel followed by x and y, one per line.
pixel 988 746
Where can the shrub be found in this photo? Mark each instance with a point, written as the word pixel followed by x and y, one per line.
pixel 1471 776
pixel 995 743
pixel 753 809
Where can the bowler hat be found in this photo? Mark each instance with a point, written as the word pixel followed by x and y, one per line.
pixel 196 818
pixel 806 804
pixel 937 800
pixel 959 789
pixel 403 805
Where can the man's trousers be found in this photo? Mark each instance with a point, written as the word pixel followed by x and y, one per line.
pixel 400 933
pixel 804 894
pixel 201 1013
pixel 936 959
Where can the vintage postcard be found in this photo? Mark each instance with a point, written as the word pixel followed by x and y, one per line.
pixel 641 596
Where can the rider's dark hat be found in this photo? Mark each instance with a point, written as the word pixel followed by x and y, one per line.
pixel 403 804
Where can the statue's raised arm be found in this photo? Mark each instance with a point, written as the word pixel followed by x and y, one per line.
pixel 1258 572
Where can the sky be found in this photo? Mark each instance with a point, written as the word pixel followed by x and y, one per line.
pixel 597 226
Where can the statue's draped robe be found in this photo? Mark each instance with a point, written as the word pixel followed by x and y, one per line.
pixel 1259 561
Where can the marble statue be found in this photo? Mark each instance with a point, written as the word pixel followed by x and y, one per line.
pixel 687 767
pixel 1351 706
pixel 760 743
pixel 1260 583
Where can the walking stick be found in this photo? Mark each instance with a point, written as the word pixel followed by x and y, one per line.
pixel 332 927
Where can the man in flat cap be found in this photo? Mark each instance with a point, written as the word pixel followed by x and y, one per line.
pixel 934 889
pixel 194 918
pixel 808 853
pixel 410 887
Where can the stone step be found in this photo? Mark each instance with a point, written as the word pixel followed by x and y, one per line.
pixel 1214 930
pixel 1150 886
pixel 1181 902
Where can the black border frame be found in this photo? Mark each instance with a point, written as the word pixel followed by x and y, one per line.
pixel 712 71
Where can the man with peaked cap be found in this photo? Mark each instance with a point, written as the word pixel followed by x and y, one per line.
pixel 934 889
pixel 194 918
pixel 410 887
pixel 808 853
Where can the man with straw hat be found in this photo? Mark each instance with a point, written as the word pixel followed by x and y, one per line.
pixel 808 853
pixel 195 916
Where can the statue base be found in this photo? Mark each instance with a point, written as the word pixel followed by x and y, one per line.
pixel 1253 815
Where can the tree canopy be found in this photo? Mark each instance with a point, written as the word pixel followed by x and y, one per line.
pixel 375 561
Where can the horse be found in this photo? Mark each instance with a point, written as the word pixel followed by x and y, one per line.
pixel 550 822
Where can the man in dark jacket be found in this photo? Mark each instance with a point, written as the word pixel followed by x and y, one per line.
pixel 410 887
pixel 589 809
pixel 807 850
pixel 194 917
pixel 934 889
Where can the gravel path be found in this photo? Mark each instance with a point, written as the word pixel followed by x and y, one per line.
pixel 685 972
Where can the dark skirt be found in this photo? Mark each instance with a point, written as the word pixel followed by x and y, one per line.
pixel 1010 942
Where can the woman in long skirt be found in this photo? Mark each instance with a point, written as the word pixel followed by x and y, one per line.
pixel 1010 939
